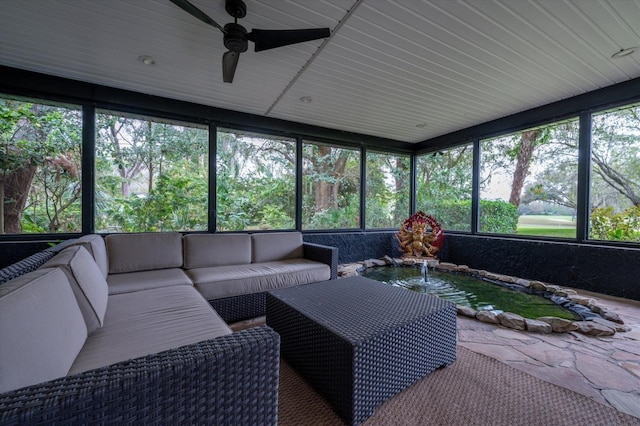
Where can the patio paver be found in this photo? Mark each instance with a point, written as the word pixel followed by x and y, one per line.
pixel 606 369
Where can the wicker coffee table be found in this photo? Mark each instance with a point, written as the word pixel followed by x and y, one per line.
pixel 358 342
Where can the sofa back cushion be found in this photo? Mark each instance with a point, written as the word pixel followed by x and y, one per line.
pixel 41 328
pixel 204 250
pixel 144 251
pixel 94 244
pixel 276 246
pixel 87 282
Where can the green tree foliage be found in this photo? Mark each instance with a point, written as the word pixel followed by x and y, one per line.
pixel 615 163
pixel 556 178
pixel 40 163
pixel 255 182
pixel 150 176
pixel 174 204
pixel 610 226
pixel 444 186
pixel 498 217
pixel 615 176
pixel 537 165
pixel 387 190
pixel 331 187
pixel 452 214
pixel 154 176
pixel 615 159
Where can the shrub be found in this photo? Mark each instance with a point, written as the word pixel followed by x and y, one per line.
pixel 499 217
pixel 454 215
pixel 623 226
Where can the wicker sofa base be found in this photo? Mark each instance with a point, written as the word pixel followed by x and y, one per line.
pixel 232 379
pixel 359 342
pixel 240 308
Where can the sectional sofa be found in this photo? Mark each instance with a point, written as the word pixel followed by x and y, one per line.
pixel 133 328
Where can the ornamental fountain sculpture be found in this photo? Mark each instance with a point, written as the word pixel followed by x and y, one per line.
pixel 420 236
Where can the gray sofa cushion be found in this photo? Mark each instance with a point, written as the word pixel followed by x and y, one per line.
pixel 147 322
pixel 146 280
pixel 276 246
pixel 203 250
pixel 41 328
pixel 143 252
pixel 226 281
pixel 86 281
pixel 94 244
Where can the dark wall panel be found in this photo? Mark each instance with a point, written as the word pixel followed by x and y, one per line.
pixel 356 246
pixel 12 252
pixel 607 270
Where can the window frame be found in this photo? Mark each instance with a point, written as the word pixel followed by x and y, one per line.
pixel 20 83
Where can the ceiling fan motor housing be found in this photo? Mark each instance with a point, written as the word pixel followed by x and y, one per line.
pixel 236 8
pixel 236 38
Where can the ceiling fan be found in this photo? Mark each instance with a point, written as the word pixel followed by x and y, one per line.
pixel 236 37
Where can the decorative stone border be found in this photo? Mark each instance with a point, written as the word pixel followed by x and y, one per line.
pixel 603 322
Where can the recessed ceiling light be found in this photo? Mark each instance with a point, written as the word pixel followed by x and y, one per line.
pixel 421 125
pixel 624 52
pixel 147 60
pixel 306 99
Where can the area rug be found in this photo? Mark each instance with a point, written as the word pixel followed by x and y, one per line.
pixel 475 390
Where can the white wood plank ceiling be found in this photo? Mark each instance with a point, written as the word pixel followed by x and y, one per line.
pixel 407 70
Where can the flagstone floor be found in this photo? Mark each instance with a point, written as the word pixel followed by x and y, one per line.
pixel 606 369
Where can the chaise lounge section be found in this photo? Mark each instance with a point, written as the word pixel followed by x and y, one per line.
pixel 119 329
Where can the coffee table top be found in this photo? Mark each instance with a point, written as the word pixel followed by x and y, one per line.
pixel 357 307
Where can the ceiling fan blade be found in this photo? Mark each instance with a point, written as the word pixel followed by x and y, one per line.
pixel 229 64
pixel 197 13
pixel 270 39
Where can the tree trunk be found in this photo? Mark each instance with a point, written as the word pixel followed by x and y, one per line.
pixel 150 186
pixel 525 153
pixel 61 205
pixel 322 191
pixel 16 186
pixel 398 177
pixel 326 192
pixel 122 170
pixel 338 174
pixel 124 185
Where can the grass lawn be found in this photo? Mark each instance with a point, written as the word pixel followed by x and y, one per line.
pixel 548 226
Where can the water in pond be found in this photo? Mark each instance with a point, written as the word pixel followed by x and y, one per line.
pixel 469 291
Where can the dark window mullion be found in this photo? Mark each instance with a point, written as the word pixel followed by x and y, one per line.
pixel 475 194
pixel 363 187
pixel 298 189
pixel 584 177
pixel 88 168
pixel 213 178
pixel 413 187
